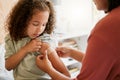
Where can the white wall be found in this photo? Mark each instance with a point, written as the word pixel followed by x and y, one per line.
pixel 74 16
pixel 5 7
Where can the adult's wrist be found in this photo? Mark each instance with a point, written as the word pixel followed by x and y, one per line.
pixel 50 70
pixel 71 52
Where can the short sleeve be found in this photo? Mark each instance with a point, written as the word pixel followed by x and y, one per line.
pixel 49 39
pixel 9 47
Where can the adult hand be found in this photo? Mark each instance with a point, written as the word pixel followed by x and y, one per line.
pixel 64 51
pixel 43 62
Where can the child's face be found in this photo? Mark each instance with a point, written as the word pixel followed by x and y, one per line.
pixel 37 24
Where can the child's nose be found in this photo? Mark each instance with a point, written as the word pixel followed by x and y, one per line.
pixel 39 29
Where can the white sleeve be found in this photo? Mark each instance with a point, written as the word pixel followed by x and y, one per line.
pixel 49 39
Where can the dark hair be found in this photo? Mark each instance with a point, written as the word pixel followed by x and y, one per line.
pixel 21 14
pixel 113 4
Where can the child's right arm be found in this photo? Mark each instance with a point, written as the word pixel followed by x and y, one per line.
pixel 12 61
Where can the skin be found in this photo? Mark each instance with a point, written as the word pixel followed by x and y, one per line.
pixel 44 63
pixel 101 4
pixel 37 24
pixel 69 52
pixel 36 27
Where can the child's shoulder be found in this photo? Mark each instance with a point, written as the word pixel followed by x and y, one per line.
pixel 45 36
pixel 7 37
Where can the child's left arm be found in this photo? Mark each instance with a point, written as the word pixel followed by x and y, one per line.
pixel 56 62
pixel 54 58
pixel 49 43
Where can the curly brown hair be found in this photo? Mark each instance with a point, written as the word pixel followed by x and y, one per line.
pixel 22 13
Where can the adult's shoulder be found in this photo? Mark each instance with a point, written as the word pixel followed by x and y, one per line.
pixel 113 17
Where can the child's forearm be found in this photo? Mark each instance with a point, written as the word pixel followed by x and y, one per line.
pixel 14 60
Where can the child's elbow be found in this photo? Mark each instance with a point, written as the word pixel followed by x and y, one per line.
pixel 67 74
pixel 8 67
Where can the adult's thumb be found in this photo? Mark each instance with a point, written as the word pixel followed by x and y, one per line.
pixel 45 55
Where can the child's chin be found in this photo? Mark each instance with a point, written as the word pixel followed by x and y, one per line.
pixel 32 37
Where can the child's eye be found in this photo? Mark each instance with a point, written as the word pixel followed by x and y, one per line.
pixel 35 24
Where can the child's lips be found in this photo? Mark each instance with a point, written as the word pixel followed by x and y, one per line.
pixel 36 35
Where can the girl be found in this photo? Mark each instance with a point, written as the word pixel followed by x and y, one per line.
pixel 28 21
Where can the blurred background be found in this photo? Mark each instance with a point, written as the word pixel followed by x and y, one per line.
pixel 74 17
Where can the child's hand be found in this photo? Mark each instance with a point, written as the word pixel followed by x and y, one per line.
pixel 33 46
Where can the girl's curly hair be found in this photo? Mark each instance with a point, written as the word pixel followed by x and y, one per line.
pixel 21 14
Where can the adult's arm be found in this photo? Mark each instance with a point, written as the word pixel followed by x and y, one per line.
pixel 44 64
pixel 70 52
